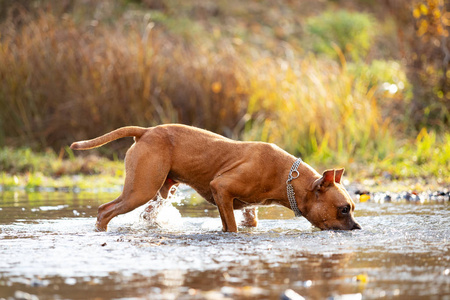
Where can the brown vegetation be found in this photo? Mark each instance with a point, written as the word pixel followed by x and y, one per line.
pixel 60 81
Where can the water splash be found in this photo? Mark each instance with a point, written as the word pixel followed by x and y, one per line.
pixel 161 213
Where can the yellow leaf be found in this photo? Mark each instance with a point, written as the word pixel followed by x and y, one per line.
pixel 423 9
pixel 436 13
pixel 216 87
pixel 363 278
pixel 423 27
pixel 364 198
pixel 416 13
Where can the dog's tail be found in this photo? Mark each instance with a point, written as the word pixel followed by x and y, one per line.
pixel 109 137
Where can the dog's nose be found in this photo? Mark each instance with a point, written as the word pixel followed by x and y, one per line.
pixel 356 226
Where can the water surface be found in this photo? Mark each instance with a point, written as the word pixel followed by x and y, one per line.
pixel 48 249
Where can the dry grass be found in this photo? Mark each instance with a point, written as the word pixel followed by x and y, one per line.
pixel 317 109
pixel 62 81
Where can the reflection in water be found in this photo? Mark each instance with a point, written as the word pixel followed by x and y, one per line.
pixel 48 249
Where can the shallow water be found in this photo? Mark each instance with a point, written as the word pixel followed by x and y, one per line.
pixel 48 249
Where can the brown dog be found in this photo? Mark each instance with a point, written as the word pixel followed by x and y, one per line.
pixel 227 173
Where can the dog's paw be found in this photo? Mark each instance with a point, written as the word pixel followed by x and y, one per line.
pixel 250 217
pixel 249 223
pixel 99 228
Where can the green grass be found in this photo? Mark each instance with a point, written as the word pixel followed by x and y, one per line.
pixel 49 163
pixel 23 168
pixel 351 32
pixel 428 157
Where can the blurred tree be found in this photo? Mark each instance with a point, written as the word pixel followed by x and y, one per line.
pixel 424 25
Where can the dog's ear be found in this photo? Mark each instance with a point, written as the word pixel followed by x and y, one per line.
pixel 326 180
pixel 338 175
pixel 328 176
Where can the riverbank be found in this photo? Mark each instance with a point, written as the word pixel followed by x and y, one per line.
pixel 25 171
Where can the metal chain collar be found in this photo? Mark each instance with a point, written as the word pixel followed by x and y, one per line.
pixel 290 188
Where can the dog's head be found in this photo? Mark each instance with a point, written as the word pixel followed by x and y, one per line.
pixel 328 205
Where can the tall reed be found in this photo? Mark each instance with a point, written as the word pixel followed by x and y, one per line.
pixel 61 81
pixel 318 109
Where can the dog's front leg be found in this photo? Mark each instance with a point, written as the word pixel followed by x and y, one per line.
pixel 224 203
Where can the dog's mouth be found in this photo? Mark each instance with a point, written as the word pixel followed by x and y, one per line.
pixel 356 226
pixel 353 226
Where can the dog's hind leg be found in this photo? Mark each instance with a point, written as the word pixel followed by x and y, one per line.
pixel 250 217
pixel 146 172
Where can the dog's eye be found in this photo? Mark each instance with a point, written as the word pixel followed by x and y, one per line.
pixel 345 210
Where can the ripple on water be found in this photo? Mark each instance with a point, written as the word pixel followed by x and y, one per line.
pixel 399 245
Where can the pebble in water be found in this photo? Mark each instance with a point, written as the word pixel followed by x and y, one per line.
pixel 405 196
